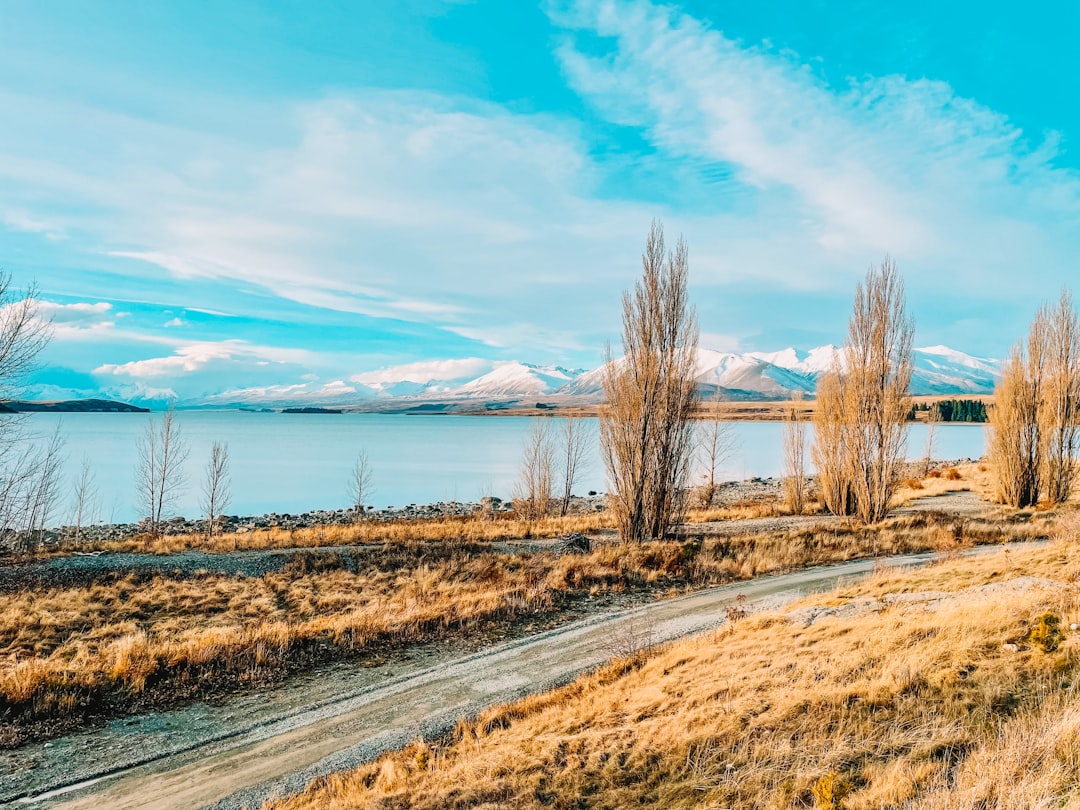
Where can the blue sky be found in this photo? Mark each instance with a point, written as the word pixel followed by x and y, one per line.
pixel 255 194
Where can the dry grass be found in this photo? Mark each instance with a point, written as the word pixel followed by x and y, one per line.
pixel 74 651
pixel 463 530
pixel 929 705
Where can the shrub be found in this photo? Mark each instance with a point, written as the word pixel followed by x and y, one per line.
pixel 1046 634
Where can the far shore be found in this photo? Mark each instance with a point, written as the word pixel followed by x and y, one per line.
pixel 727 411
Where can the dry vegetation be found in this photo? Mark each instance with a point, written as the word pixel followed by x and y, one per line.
pixel 479 528
pixel 961 701
pixel 69 653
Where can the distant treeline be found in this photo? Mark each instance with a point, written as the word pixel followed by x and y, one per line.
pixel 951 410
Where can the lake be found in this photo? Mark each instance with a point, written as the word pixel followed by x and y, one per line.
pixel 298 462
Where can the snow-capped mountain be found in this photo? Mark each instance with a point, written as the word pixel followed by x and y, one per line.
pixel 746 376
pixel 775 375
pixel 941 370
pixel 517 380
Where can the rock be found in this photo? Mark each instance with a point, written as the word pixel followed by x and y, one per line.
pixel 1010 647
pixel 574 543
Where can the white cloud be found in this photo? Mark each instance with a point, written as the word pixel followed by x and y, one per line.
pixel 501 227
pixel 423 372
pixel 83 313
pixel 21 221
pixel 175 322
pixel 193 357
pixel 885 164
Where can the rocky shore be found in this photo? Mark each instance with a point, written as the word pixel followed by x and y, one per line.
pixel 727 493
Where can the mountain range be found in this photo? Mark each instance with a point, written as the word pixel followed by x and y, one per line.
pixel 937 370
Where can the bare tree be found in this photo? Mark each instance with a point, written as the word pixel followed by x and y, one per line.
pixel 25 485
pixel 533 491
pixel 217 486
pixel 933 416
pixel 795 457
pixel 43 490
pixel 573 441
pixel 23 334
pixel 360 486
pixel 84 507
pixel 1059 409
pixel 861 418
pixel 1036 411
pixel 830 450
pixel 716 442
pixel 1015 437
pixel 645 430
pixel 159 474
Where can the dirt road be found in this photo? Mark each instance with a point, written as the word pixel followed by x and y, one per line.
pixel 274 751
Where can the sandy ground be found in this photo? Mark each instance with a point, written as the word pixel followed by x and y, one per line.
pixel 242 749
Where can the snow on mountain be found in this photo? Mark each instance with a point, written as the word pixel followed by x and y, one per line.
pixel 724 371
pixel 337 392
pixel 814 362
pixel 751 375
pixel 516 380
pixel 773 375
pixel 941 370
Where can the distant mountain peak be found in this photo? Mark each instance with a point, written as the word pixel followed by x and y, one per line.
pixel 749 375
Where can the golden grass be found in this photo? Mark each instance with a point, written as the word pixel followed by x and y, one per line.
pixel 923 705
pixel 463 530
pixel 69 651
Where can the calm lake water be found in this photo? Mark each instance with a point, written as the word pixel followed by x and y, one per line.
pixel 297 462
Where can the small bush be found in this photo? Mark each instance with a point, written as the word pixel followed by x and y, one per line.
pixel 913 483
pixel 830 791
pixel 1046 634
pixel 952 474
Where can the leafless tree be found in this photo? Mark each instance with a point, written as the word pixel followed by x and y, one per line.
pixel 1035 415
pixel 159 474
pixel 43 491
pixel 533 491
pixel 933 416
pixel 861 418
pixel 573 442
pixel 1059 410
pixel 830 449
pixel 716 441
pixel 84 507
pixel 23 334
pixel 23 480
pixel 217 487
pixel 360 486
pixel 645 430
pixel 795 457
pixel 1015 437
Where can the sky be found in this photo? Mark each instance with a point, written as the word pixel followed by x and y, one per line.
pixel 252 195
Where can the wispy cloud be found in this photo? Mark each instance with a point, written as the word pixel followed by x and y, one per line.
pixel 842 175
pixel 194 357
pixel 425 371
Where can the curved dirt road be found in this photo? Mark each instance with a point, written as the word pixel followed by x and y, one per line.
pixel 278 755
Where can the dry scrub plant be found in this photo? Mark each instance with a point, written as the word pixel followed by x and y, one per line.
pixel 645 431
pixel 860 422
pixel 1035 416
